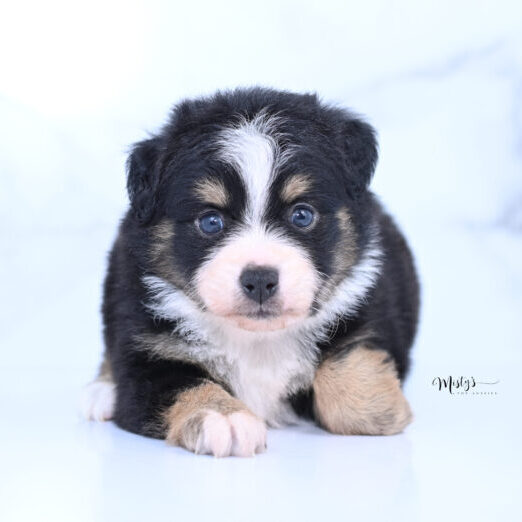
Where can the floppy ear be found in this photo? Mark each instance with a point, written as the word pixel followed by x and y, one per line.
pixel 143 179
pixel 360 154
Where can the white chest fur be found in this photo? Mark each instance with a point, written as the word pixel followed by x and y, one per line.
pixel 263 370
pixel 260 369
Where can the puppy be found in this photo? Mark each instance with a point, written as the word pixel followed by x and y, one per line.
pixel 255 280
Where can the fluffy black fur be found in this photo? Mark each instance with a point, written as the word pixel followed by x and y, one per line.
pixel 337 149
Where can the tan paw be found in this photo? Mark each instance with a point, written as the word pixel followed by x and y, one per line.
pixel 360 394
pixel 207 420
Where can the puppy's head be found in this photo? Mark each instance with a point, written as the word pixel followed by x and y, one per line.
pixel 253 203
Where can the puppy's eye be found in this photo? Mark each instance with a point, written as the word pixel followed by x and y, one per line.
pixel 302 216
pixel 211 223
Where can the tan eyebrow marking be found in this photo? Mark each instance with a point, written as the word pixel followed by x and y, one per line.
pixel 212 191
pixel 295 187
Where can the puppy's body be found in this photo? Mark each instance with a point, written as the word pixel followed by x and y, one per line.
pixel 256 279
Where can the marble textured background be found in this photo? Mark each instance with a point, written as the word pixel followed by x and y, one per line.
pixel 442 83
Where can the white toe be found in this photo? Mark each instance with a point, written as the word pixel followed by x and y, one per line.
pixel 216 436
pixel 248 433
pixel 241 434
pixel 98 400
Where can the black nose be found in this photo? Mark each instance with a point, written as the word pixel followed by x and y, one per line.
pixel 259 283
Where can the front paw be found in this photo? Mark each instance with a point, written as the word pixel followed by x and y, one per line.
pixel 98 399
pixel 241 434
pixel 360 394
pixel 207 420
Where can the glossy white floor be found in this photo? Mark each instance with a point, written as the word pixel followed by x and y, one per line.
pixel 459 460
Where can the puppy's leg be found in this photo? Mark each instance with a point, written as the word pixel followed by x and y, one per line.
pixel 206 419
pixel 178 400
pixel 360 393
pixel 99 396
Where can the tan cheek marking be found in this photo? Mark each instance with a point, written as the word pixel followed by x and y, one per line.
pixel 360 394
pixel 212 191
pixel 295 187
pixel 161 253
pixel 162 237
pixel 345 254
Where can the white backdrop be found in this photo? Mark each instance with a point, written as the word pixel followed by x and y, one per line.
pixel 442 83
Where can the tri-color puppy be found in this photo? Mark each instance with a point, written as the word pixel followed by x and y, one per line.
pixel 255 280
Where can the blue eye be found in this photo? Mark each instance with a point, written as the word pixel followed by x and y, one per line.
pixel 302 216
pixel 211 223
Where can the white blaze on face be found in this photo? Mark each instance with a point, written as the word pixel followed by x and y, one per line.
pixel 251 148
pixel 254 153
